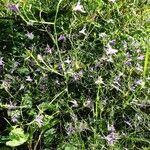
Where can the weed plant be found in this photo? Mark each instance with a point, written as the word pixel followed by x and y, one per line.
pixel 75 75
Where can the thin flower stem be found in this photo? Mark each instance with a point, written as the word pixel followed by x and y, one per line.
pixel 48 68
pixel 146 62
pixel 38 141
pixel 56 37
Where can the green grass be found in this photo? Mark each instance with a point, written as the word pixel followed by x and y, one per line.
pixel 74 80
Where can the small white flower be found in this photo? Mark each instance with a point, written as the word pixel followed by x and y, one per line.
pixel 111 128
pixel 28 78
pixel 30 35
pixel 103 35
pixel 68 61
pixel 21 87
pixel 99 81
pixel 48 49
pixel 141 57
pixel 39 57
pixel 75 104
pixel 83 31
pixel 88 103
pixel 79 8
pixel 110 50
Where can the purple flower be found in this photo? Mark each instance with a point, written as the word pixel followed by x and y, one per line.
pixel 12 105
pixel 70 129
pixel 128 59
pixel 48 49
pixel 113 42
pixel 110 50
pixel 61 38
pixel 14 7
pixel 112 136
pixel 78 76
pixel 30 35
pixel 15 115
pixel 141 57
pixel 39 120
pixel 97 66
pixel 15 118
pixel 60 67
pixel 139 82
pixel 1 61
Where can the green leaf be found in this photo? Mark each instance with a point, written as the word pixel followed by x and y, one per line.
pixel 17 137
pixel 23 70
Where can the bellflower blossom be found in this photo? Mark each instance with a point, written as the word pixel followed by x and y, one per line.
pixel 110 50
pixel 14 7
pixel 141 57
pixel 67 61
pixel 48 49
pixel 70 129
pixel 30 35
pixel 28 78
pixel 83 31
pixel 79 8
pixel 1 61
pixel 78 76
pixel 75 103
pixel 61 38
pixel 99 81
pixel 15 118
pixel 112 136
pixel 39 120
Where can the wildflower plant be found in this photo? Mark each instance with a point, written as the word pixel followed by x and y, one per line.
pixel 74 74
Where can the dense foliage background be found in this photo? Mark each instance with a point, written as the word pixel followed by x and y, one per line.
pixel 74 75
